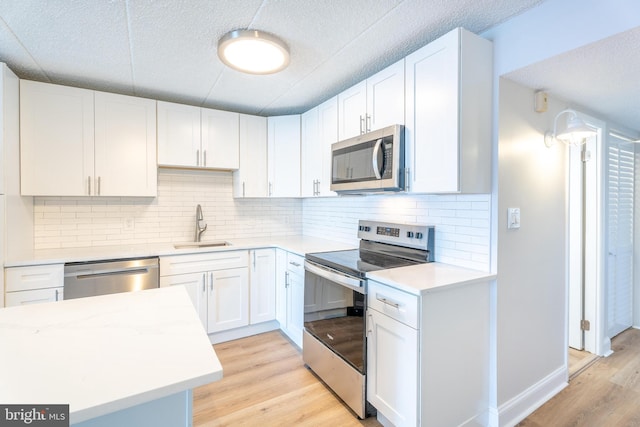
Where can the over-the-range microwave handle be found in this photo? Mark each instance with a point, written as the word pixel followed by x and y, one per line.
pixel 376 166
pixel 334 276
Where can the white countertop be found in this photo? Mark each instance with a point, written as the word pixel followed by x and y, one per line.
pixel 106 353
pixel 296 244
pixel 424 278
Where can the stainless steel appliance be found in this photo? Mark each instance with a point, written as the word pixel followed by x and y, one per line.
pixel 335 286
pixel 370 162
pixel 87 279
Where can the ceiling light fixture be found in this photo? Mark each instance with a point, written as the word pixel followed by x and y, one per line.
pixel 253 52
pixel 576 131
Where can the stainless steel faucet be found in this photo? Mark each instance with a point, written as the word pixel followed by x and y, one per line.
pixel 199 228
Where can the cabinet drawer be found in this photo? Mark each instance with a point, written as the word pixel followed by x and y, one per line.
pixel 394 303
pixel 37 296
pixel 194 263
pixel 295 264
pixel 34 277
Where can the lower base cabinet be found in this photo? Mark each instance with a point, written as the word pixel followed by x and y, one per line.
pixel 290 294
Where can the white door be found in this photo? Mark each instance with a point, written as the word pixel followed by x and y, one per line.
pixel 281 288
pixel 228 299
pixel 56 140
pixel 620 231
pixel 251 179
pixel 36 296
pixel 295 307
pixel 575 256
pixel 352 110
pixel 284 156
pixel 220 139
pixel 178 134
pixel 392 369
pixel 262 304
pixel 196 286
pixel 328 134
pixel 385 98
pixel 125 146
pixel 310 153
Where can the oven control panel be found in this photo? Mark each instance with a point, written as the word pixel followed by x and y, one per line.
pixel 409 235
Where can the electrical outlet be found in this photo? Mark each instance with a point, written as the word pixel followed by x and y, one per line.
pixel 513 218
pixel 129 224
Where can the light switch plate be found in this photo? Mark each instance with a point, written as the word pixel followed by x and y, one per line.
pixel 513 218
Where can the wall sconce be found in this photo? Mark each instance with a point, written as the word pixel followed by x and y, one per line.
pixel 576 131
pixel 253 52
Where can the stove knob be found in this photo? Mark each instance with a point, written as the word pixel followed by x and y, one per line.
pixel 361 227
pixel 418 235
pixel 410 234
pixel 367 228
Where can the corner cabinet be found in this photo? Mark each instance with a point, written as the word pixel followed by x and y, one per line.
pixel 319 131
pixel 250 180
pixel 78 142
pixel 374 103
pixel 449 115
pixel 283 156
pixel 194 137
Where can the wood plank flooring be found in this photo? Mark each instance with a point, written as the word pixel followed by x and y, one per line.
pixel 579 361
pixel 607 393
pixel 266 383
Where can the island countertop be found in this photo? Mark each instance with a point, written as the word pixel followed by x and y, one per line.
pixel 106 353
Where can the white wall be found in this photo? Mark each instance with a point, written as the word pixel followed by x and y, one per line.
pixel 62 222
pixel 462 222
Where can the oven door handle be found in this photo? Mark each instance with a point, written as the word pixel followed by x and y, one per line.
pixel 334 276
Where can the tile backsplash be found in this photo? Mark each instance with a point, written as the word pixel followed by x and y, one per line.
pixel 62 222
pixel 462 221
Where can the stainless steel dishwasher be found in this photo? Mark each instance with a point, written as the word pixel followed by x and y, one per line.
pixel 88 279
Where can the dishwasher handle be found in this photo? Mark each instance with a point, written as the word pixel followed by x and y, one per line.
pixel 127 272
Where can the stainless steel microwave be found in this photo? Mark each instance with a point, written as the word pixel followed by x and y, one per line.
pixel 370 162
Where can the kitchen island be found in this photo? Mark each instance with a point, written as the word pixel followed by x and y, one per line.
pixel 123 359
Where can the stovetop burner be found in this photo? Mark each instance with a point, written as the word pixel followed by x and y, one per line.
pixel 357 262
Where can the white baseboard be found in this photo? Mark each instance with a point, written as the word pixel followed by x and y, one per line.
pixel 521 406
pixel 245 331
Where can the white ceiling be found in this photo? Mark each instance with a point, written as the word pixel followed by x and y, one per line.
pixel 602 76
pixel 166 49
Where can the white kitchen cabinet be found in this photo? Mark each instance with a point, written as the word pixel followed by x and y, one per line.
pixel 283 158
pixel 290 295
pixel 319 131
pixel 449 115
pixel 218 284
pixel 196 286
pixel 33 284
pixel 250 180
pixel 262 282
pixel 36 296
pixel 194 137
pixel 228 299
pixel 372 104
pixel 78 142
pixel 392 357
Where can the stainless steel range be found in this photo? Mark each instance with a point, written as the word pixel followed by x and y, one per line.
pixel 335 302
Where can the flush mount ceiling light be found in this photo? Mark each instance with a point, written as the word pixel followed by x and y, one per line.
pixel 254 52
pixel 575 133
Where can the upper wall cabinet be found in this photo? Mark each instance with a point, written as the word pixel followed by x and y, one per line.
pixel 283 165
pixel 372 104
pixel 250 180
pixel 319 131
pixel 448 115
pixel 77 142
pixel 194 137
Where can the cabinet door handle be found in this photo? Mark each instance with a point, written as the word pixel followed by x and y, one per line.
pixel 254 260
pixel 286 279
pixel 384 300
pixel 89 186
pixel 243 193
pixel 368 123
pixel 361 125
pixel 369 322
pixel 317 187
pixel 211 282
pixel 197 157
pixel 98 192
pixel 204 154
pixel 407 179
pixel 295 264
pixel 270 189
pixel 57 291
pixel 204 283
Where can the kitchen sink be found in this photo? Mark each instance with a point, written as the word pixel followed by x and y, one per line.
pixel 192 245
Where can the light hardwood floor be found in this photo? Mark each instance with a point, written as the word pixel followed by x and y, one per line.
pixel 266 383
pixel 607 393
